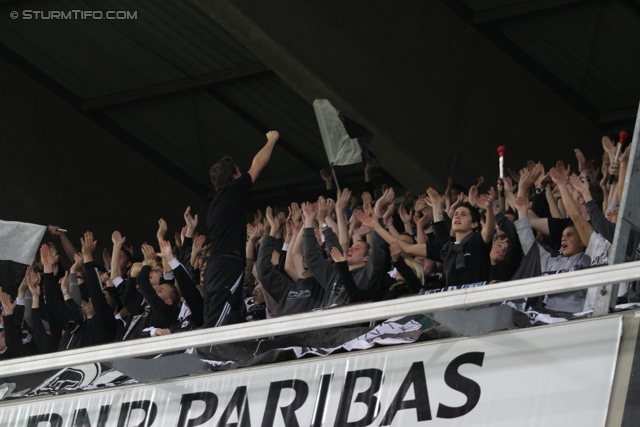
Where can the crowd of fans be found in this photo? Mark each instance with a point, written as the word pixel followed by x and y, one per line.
pixel 336 250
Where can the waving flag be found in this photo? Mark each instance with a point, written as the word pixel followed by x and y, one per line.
pixel 19 243
pixel 345 141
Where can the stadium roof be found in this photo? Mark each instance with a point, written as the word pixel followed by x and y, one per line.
pixel 441 83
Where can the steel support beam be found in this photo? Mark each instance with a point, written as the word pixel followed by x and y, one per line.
pixel 514 51
pixel 626 115
pixel 171 88
pixel 500 14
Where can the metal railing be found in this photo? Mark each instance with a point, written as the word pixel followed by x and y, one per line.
pixel 340 316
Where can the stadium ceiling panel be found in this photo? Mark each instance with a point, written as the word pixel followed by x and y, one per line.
pixel 171 84
pixel 181 85
pixel 588 51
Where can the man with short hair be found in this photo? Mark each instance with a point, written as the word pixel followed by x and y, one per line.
pixel 224 272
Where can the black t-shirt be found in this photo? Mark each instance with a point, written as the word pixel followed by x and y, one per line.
pixel 226 217
pixel 476 257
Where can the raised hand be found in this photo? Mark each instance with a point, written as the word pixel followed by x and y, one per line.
pixel 78 262
pixel 404 215
pixel 331 206
pixel 162 229
pixel 565 171
pixel 421 203
pixel 473 196
pixel 508 184
pixel 527 180
pixel 135 269
pixel 541 176
pixel 191 221
pixel 7 305
pixel 433 198
pixel 362 231
pixel 310 211
pixel 387 198
pixel 65 282
pixel 104 278
pixel 273 135
pixel 326 177
pixel 337 255
pixel 425 220
pixel 295 212
pixel 365 219
pixel 273 223
pixel 289 225
pixel 366 202
pixel 148 252
pixel 257 218
pixel 389 212
pixel 624 155
pixel 117 238
pixel 578 184
pixel 609 147
pixel 53 229
pixel 46 257
pixel 343 199
pixel 88 246
pixel 165 250
pixel 250 230
pixel 322 209
pixel 256 234
pixel 582 161
pixel 198 243
pixel 33 282
pixel 558 176
pixel 485 201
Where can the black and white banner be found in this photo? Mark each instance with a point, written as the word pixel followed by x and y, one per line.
pixel 19 243
pixel 557 375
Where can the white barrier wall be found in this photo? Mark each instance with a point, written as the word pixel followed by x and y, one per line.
pixel 548 376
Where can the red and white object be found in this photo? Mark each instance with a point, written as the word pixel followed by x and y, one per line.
pixel 623 140
pixel 501 151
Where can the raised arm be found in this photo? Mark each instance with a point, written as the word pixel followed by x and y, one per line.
pixel 290 265
pixel 68 247
pixel 487 202
pixel 584 228
pixel 343 233
pixel 422 224
pixel 262 158
pixel 319 266
pixel 624 164
pixel 118 240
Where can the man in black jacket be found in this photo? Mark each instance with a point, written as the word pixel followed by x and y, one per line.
pixel 224 272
